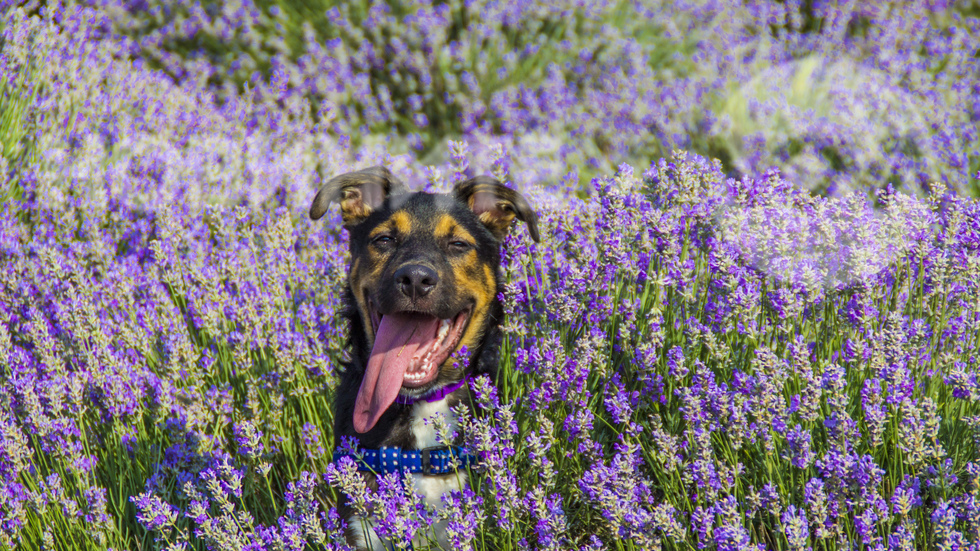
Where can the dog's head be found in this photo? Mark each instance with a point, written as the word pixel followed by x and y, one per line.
pixel 423 277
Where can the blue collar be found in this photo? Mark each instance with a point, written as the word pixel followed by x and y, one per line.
pixel 434 460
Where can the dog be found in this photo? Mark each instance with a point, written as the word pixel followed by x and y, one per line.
pixel 422 284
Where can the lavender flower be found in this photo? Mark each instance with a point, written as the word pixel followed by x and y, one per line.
pixel 700 354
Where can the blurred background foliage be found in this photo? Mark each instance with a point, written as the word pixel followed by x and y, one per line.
pixel 838 97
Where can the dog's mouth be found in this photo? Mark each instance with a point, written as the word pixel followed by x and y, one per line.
pixel 408 349
pixel 432 339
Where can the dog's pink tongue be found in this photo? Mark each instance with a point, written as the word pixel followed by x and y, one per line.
pixel 399 337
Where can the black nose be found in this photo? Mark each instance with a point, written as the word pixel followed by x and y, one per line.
pixel 416 280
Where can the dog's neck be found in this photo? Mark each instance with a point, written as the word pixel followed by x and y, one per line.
pixel 423 427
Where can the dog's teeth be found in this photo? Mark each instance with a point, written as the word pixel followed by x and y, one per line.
pixel 443 330
pixel 421 372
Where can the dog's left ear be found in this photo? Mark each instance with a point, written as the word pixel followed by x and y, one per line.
pixel 496 205
pixel 359 193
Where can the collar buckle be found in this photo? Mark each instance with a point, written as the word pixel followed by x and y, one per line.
pixel 427 466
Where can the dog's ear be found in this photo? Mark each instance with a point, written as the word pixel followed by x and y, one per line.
pixel 496 205
pixel 359 193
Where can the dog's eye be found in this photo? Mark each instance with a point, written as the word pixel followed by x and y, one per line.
pixel 459 245
pixel 383 240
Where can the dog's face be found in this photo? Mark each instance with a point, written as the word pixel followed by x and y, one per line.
pixel 423 276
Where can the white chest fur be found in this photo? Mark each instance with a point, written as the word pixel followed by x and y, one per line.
pixel 423 414
pixel 431 487
pixel 423 425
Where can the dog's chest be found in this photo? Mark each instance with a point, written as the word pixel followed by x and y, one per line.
pixel 424 429
pixel 423 422
pixel 431 487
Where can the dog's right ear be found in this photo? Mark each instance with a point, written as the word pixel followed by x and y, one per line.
pixel 359 193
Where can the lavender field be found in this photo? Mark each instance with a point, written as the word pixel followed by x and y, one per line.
pixel 752 321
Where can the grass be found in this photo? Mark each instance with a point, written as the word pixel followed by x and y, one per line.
pixel 18 91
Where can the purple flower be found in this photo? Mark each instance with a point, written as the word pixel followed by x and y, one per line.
pixel 154 513
pixel 798 447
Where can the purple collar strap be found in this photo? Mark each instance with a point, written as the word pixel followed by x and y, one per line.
pixel 435 395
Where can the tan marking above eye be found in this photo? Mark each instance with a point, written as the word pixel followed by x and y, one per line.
pixel 399 222
pixel 444 226
pixel 447 226
pixel 402 222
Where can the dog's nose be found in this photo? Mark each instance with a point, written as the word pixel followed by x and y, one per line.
pixel 416 280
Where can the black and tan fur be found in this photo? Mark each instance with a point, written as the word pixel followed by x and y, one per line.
pixel 457 235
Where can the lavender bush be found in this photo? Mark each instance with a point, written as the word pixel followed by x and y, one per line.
pixel 690 360
pixel 840 97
